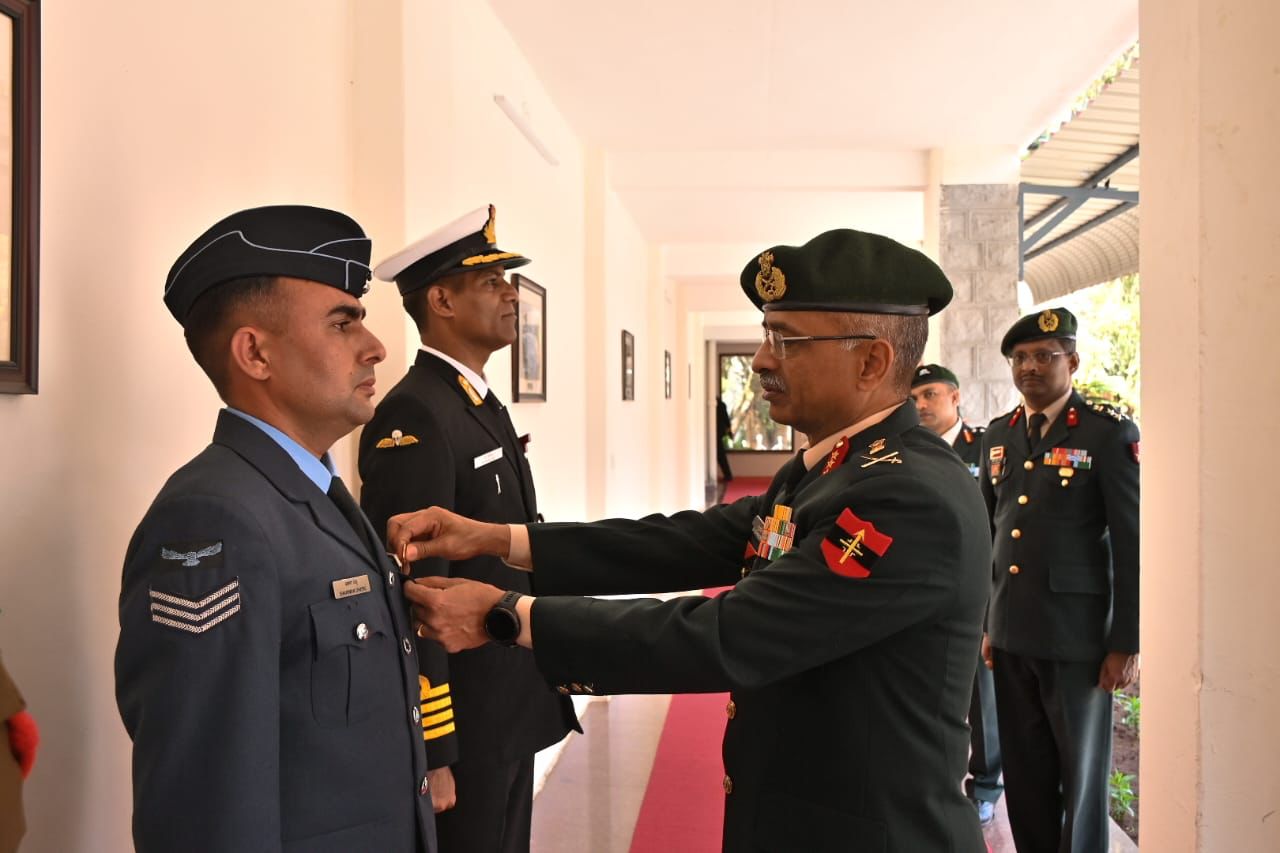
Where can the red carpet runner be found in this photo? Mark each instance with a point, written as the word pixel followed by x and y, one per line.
pixel 683 806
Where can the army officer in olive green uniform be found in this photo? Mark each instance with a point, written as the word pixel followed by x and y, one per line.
pixel 850 638
pixel 1060 479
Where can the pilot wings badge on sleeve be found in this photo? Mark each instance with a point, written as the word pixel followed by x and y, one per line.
pixel 193 557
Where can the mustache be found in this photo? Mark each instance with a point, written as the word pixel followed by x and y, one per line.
pixel 772 382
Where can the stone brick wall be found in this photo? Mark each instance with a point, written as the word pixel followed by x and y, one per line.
pixel 978 245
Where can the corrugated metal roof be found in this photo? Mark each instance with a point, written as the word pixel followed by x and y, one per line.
pixel 1094 138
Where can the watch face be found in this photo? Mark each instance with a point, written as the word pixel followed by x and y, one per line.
pixel 501 625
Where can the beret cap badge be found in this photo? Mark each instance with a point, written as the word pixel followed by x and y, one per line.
pixel 1048 321
pixel 771 283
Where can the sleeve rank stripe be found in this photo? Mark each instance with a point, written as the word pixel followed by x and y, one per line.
pixel 438 690
pixel 440 731
pixel 195 629
pixel 188 603
pixel 439 704
pixel 437 719
pixel 195 617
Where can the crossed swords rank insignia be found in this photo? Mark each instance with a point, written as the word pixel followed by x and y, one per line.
pixel 875 454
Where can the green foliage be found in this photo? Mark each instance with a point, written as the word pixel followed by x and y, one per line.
pixel 1122 797
pixel 750 426
pixel 1130 710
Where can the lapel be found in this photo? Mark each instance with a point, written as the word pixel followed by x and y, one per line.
pixel 449 375
pixel 257 448
pixel 493 420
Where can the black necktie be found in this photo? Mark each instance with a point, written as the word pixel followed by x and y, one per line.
pixel 347 506
pixel 1035 425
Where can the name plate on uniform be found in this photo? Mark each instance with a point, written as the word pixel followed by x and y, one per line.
pixel 485 458
pixel 348 587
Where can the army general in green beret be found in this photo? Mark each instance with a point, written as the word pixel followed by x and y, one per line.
pixel 850 636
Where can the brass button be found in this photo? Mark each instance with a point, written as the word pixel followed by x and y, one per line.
pixel 728 785
pixel 993 481
pixel 745 571
pixel 1013 570
pixel 1022 499
pixel 1028 464
pixel 731 710
pixel 1065 483
pixel 1015 533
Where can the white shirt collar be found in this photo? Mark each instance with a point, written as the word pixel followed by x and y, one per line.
pixel 476 380
pixel 950 435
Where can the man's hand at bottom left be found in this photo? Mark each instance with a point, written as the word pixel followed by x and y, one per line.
pixel 444 795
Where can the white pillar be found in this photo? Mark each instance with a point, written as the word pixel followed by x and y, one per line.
pixel 1210 773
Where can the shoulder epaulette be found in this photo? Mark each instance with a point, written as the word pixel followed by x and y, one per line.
pixel 1107 411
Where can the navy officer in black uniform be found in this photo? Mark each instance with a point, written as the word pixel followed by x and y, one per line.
pixel 850 637
pixel 936 393
pixel 442 438
pixel 1060 478
pixel 265 669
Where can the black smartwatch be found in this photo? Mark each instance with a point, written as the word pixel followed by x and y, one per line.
pixel 502 622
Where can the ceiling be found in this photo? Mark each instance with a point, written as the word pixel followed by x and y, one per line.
pixel 750 121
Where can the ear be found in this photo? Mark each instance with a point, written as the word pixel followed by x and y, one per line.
pixel 1073 361
pixel 877 359
pixel 440 301
pixel 955 397
pixel 251 352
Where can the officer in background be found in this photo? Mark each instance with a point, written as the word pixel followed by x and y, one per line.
pixel 265 670
pixel 850 636
pixel 1060 478
pixel 936 393
pixel 442 438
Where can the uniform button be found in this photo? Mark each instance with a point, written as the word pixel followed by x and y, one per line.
pixel 362 631
pixel 728 785
pixel 993 481
pixel 1013 570
pixel 391 578
pixel 406 645
pixel 424 788
pixel 415 714
pixel 731 710
pixel 1028 464
pixel 745 571
pixel 1065 483
pixel 1022 499
pixel 1015 533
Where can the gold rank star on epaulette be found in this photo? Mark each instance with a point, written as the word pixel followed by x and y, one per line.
pixel 396 439
pixel 1109 411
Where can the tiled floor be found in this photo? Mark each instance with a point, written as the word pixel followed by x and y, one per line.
pixel 591 799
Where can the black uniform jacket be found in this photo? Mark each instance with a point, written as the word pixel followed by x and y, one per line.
pixel 267 714
pixel 1065 521
pixel 851 658
pixel 464 457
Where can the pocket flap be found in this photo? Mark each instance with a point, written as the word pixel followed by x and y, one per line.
pixel 347 622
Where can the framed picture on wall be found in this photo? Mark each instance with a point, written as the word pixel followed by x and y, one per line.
pixel 628 365
pixel 666 374
pixel 529 352
pixel 20 189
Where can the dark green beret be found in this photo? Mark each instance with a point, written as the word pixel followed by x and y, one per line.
pixel 927 373
pixel 282 240
pixel 1049 323
pixel 846 270
pixel 468 243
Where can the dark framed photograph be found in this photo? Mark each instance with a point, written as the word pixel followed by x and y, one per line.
pixel 529 352
pixel 628 365
pixel 666 373
pixel 20 188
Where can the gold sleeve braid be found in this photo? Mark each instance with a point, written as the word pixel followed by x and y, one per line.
pixel 437 709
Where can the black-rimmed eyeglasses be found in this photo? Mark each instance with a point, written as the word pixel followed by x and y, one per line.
pixel 778 342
